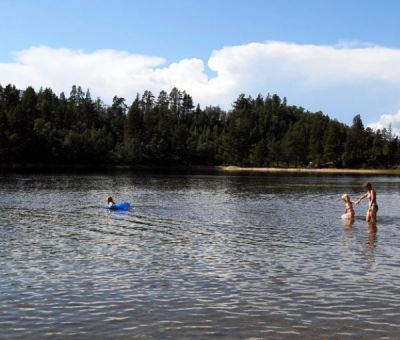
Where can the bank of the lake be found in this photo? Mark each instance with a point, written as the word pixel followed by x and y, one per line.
pixel 59 167
pixel 392 171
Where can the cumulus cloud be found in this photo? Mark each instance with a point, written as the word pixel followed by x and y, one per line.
pixel 341 80
pixel 388 121
pixel 105 72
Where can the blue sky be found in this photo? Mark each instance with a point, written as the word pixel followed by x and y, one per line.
pixel 214 50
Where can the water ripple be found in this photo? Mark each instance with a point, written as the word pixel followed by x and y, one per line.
pixel 244 257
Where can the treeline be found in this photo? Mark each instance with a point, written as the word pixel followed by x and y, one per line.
pixel 41 127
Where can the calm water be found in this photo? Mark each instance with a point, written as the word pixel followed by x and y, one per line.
pixel 199 256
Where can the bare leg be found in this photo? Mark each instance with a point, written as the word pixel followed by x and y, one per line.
pixel 373 214
pixel 368 217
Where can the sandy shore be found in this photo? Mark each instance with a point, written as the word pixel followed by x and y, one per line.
pixel 313 170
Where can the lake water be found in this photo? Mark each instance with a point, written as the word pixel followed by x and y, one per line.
pixel 199 256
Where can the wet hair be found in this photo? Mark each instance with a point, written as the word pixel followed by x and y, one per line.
pixel 367 185
pixel 345 197
pixel 110 199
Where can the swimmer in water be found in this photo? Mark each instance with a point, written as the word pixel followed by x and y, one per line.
pixel 110 201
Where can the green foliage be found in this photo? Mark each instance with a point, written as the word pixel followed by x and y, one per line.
pixel 168 129
pixel 334 137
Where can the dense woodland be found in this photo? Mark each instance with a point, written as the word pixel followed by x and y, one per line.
pixel 41 127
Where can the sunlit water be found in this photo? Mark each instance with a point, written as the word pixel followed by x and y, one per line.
pixel 199 256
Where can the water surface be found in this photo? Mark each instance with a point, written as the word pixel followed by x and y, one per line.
pixel 199 256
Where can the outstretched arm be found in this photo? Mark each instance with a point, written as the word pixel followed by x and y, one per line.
pixel 361 198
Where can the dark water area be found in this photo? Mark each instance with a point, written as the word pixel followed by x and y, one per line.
pixel 200 255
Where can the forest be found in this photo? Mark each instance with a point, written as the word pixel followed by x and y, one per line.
pixel 40 127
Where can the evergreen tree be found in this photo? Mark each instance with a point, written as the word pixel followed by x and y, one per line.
pixel 134 131
pixel 354 149
pixel 46 128
pixel 334 143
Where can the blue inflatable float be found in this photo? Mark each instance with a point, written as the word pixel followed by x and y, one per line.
pixel 118 206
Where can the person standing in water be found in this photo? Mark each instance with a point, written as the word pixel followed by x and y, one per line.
pixel 349 211
pixel 372 204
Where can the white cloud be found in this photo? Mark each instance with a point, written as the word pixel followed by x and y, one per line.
pixel 105 72
pixel 386 121
pixel 341 80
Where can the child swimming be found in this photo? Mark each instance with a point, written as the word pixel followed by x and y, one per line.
pixel 349 211
pixel 110 201
pixel 117 206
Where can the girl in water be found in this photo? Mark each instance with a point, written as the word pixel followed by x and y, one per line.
pixel 372 204
pixel 110 201
pixel 349 211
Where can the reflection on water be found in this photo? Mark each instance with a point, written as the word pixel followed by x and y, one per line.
pixel 371 235
pixel 199 256
pixel 370 243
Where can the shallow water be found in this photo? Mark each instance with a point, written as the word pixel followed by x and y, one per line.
pixel 199 256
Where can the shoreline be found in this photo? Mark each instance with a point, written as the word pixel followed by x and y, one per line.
pixel 312 170
pixel 33 167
